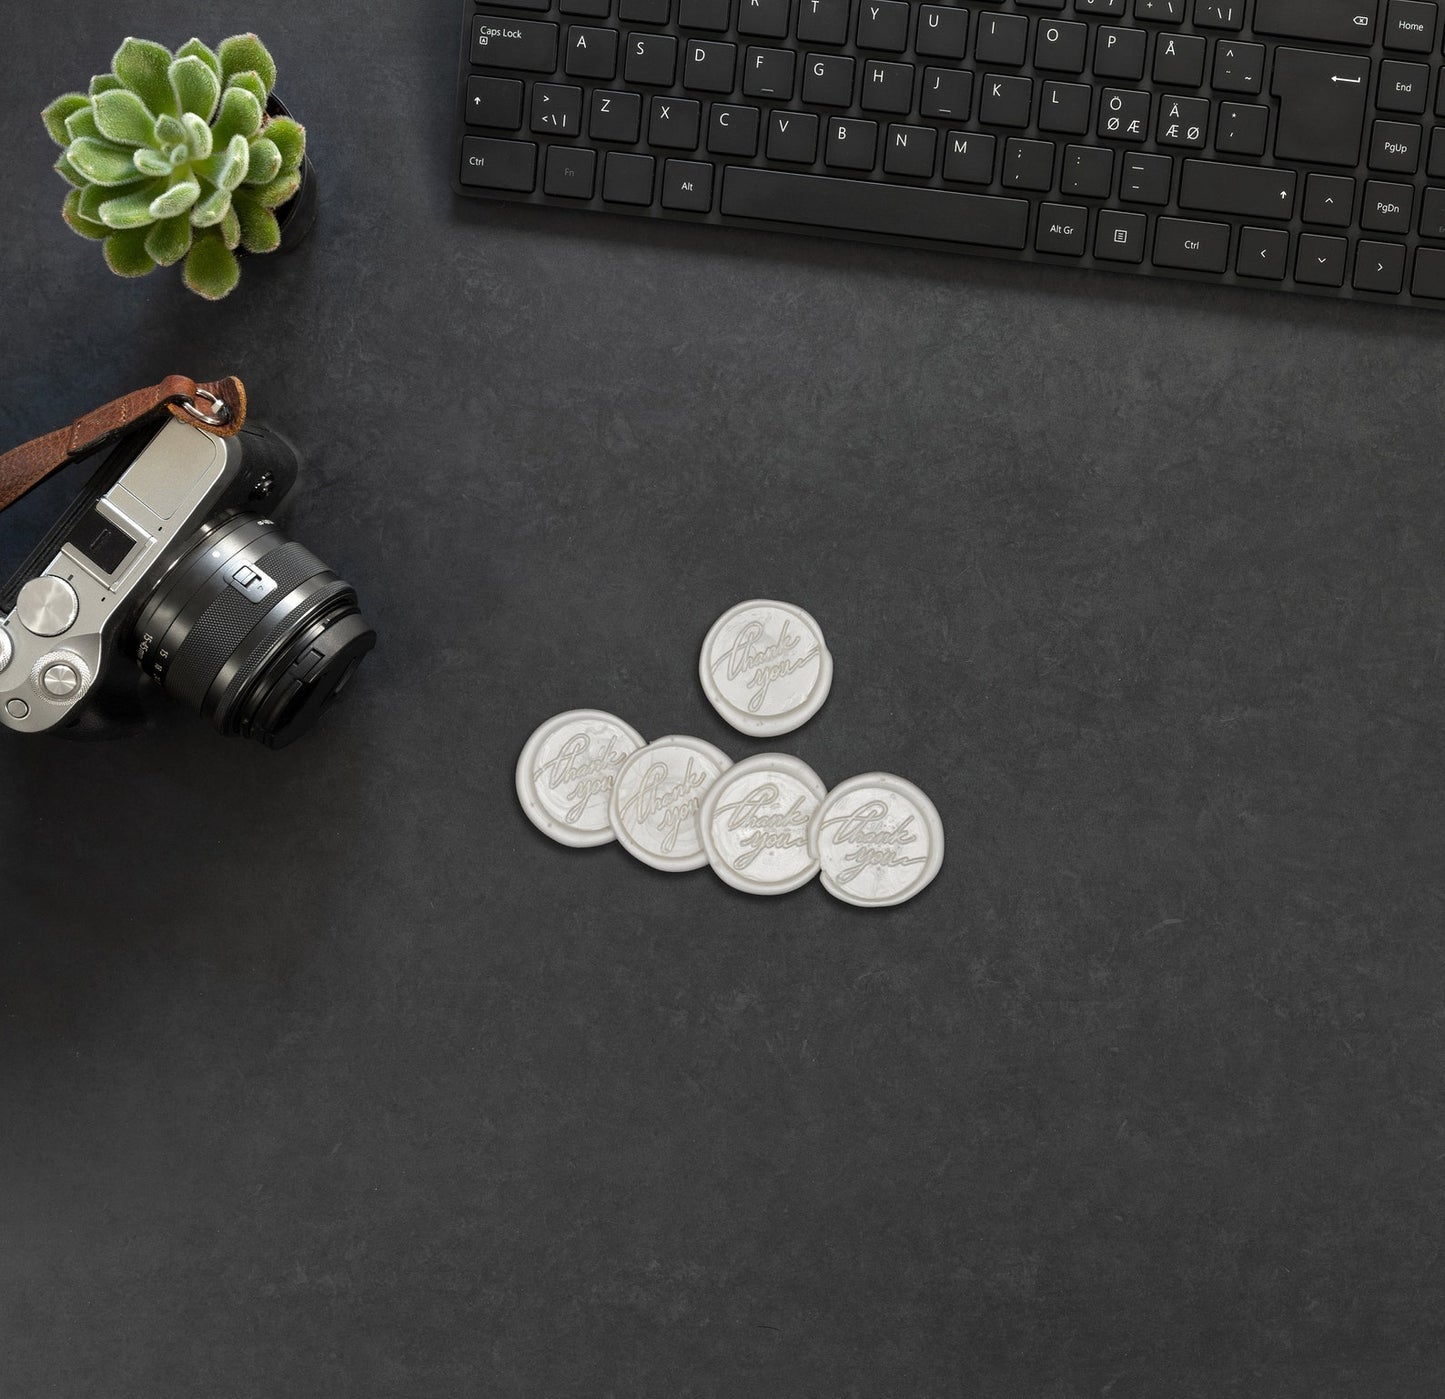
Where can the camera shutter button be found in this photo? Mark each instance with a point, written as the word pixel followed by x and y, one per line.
pixel 47 606
pixel 60 680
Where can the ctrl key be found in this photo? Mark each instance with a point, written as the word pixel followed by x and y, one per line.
pixel 491 164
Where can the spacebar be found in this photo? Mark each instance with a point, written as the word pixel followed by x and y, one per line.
pixel 865 207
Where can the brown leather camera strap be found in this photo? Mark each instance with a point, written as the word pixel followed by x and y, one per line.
pixel 218 407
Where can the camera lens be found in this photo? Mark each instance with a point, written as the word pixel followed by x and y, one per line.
pixel 252 631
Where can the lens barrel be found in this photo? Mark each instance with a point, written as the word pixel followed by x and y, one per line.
pixel 251 631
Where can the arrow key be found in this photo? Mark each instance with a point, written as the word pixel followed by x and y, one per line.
pixel 1264 253
pixel 1380 267
pixel 1321 261
pixel 494 102
pixel 1329 200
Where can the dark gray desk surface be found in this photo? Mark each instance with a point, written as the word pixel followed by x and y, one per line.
pixel 323 1074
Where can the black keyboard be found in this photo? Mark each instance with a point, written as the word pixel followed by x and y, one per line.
pixel 1296 145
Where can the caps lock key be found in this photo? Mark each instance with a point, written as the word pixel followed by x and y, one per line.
pixel 521 44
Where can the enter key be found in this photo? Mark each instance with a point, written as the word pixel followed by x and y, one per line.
pixel 1322 105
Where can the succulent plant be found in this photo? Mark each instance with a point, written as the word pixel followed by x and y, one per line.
pixel 173 156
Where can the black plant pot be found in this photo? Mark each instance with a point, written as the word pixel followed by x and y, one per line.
pixel 297 216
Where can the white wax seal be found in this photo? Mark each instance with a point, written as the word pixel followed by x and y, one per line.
pixel 878 840
pixel 565 774
pixel 765 667
pixel 657 798
pixel 755 824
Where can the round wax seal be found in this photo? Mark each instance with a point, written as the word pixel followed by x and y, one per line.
pixel 565 774
pixel 657 797
pixel 766 668
pixel 755 824
pixel 878 839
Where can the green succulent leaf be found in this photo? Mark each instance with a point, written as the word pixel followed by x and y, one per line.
pixel 274 195
pixel 260 233
pixel 289 137
pixel 126 254
pixel 87 228
pixel 123 117
pixel 265 162
pixel 243 53
pixel 231 229
pixel 69 173
pixel 169 240
pixel 93 197
pixel 199 140
pixel 196 87
pixel 55 114
pixel 100 162
pixel 144 67
pixel 211 268
pixel 240 115
pixel 179 198
pixel 83 123
pixel 152 163
pixel 104 82
pixel 129 210
pixel 212 209
pixel 194 48
pixel 252 83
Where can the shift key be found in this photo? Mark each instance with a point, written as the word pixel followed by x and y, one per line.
pixel 1214 187
pixel 522 44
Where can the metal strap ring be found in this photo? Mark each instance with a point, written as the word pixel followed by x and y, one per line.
pixel 222 410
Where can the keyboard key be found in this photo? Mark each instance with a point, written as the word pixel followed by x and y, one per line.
pixel 947 92
pixel 711 15
pixel 570 172
pixel 644 11
pixel 823 21
pixel 651 59
pixel 627 179
pixel 1220 14
pixel 1321 260
pixel 1263 253
pixel 615 116
pixel 910 150
pixel 556 110
pixel 1179 60
pixel 1213 187
pixel 1395 145
pixel 494 102
pixel 1063 229
pixel 709 65
pixel 733 130
pixel 768 73
pixel 1191 245
pixel 1001 39
pixel 1432 214
pixel 1429 279
pixel 1145 179
pixel 1243 129
pixel 1088 170
pixel 1238 67
pixel 1387 208
pixel 883 24
pixel 522 44
pixel 886 87
pixel 828 80
pixel 1410 26
pixel 1183 121
pixel 1404 87
pixel 1120 237
pixel 1328 21
pixel 1120 53
pixel 1065 107
pixel 1379 267
pixel 673 122
pixel 592 9
pixel 793 136
pixel 1059 46
pixel 1161 11
pixel 591 53
pixel 1006 101
pixel 1436 166
pixel 768 19
pixel 1322 112
pixel 851 144
pixel 687 185
pixel 863 206
pixel 1028 164
pixel 968 158
pixel 1329 200
pixel 1124 115
pixel 942 32
pixel 491 164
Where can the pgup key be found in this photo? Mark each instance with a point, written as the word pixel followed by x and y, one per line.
pixel 1322 105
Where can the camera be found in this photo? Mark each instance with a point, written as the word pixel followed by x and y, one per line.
pixel 168 560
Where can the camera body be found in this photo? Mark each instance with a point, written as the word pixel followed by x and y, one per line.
pixel 169 558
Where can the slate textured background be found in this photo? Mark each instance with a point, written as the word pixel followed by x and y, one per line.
pixel 323 1073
